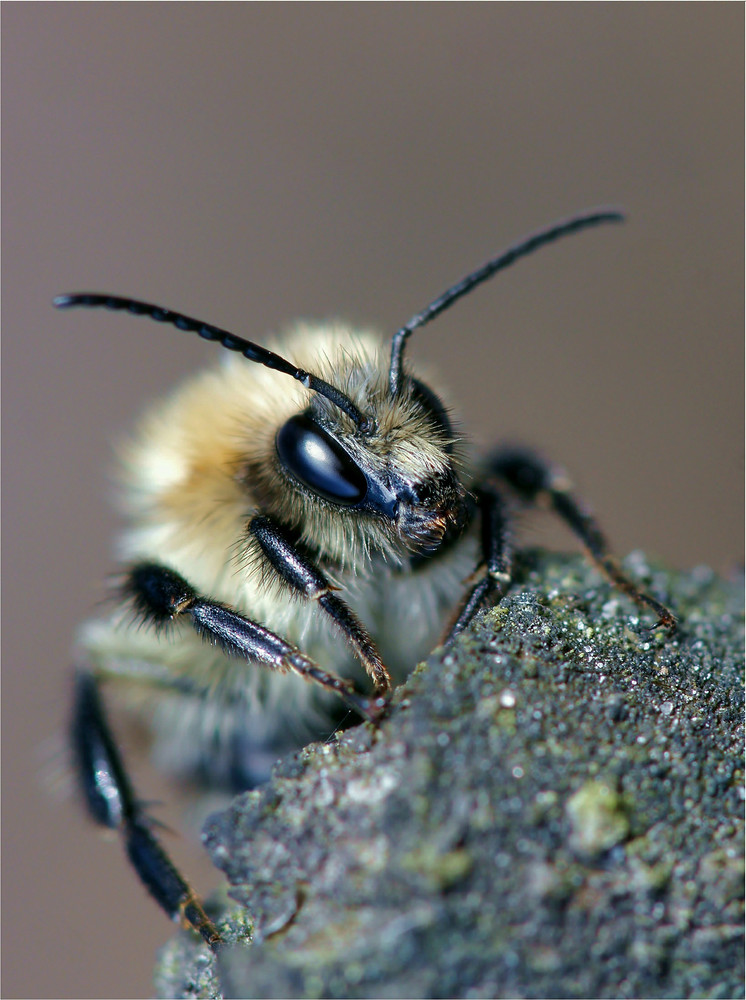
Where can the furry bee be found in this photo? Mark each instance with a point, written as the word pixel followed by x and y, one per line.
pixel 306 514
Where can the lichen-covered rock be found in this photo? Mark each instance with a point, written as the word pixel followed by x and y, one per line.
pixel 553 807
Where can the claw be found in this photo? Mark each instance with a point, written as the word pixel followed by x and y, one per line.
pixel 665 620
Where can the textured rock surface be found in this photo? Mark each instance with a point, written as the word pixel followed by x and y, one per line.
pixel 552 808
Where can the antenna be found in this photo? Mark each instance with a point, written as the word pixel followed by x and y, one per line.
pixel 498 263
pixel 228 340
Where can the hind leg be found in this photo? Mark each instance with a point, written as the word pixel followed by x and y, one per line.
pixel 112 802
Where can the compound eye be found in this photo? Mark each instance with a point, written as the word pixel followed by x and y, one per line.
pixel 315 459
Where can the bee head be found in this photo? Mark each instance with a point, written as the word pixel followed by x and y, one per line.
pixel 398 479
pixel 380 445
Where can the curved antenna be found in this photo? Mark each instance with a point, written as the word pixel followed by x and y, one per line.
pixel 228 340
pixel 503 260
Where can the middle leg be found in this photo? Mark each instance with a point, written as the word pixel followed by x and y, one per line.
pixel 495 572
pixel 160 596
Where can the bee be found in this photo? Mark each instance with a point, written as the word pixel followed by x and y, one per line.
pixel 297 514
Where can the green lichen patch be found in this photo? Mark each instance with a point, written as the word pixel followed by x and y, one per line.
pixel 598 818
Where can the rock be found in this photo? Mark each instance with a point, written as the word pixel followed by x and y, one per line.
pixel 553 807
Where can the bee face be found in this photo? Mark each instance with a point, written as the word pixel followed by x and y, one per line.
pixel 398 481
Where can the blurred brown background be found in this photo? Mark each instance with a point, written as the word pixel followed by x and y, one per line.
pixel 251 163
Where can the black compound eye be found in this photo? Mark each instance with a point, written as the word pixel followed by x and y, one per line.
pixel 315 459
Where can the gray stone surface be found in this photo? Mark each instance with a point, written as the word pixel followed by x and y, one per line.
pixel 552 808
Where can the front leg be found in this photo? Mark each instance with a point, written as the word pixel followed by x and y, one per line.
pixel 296 568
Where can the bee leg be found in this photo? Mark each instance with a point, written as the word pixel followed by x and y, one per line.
pixel 111 802
pixel 495 572
pixel 532 479
pixel 160 595
pixel 297 569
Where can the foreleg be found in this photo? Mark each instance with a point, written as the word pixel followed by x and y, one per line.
pixel 297 570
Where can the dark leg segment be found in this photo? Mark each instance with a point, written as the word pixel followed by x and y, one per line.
pixel 160 595
pixel 111 802
pixel 496 569
pixel 532 478
pixel 297 569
